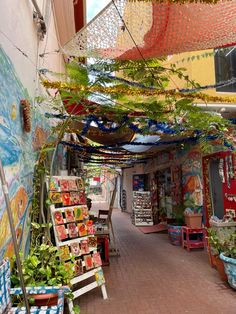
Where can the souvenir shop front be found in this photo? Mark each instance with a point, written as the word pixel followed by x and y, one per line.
pixel 219 178
pixel 161 185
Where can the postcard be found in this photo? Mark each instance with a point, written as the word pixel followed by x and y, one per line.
pixel 65 252
pixel 92 242
pixel 54 184
pixel 88 262
pixel 75 248
pixel 72 230
pixel 66 199
pixel 78 213
pixel 97 259
pixel 74 197
pixel 84 247
pixel 69 213
pixel 91 229
pixel 58 217
pixel 82 198
pixel 85 212
pixel 55 197
pixel 82 229
pixel 100 277
pixel 64 185
pixel 80 183
pixel 61 232
pixel 78 267
pixel 72 185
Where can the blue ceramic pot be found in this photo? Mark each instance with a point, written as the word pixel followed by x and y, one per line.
pixel 230 269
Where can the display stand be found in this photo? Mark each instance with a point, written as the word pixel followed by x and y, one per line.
pixel 142 209
pixel 74 233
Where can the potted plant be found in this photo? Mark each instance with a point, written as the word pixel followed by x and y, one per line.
pixel 193 214
pixel 175 228
pixel 162 214
pixel 43 267
pixel 228 256
pixel 215 248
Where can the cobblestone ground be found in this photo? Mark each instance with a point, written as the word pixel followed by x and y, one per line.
pixel 151 276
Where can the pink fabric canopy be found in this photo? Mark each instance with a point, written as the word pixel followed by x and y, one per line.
pixel 180 28
pixel 158 30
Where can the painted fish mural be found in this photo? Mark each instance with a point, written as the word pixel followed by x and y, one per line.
pixel 17 155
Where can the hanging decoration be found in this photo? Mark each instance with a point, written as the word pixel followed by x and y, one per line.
pixel 159 143
pixel 231 171
pixel 101 125
pixel 182 90
pixel 25 107
pixel 131 30
pixel 136 91
pixel 151 126
pixel 221 170
pixel 227 170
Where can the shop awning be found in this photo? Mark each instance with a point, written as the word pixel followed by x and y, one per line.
pixel 157 29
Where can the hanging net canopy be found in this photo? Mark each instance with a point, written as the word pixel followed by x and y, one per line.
pixel 129 29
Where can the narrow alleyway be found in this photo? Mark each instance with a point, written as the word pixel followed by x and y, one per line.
pixel 151 276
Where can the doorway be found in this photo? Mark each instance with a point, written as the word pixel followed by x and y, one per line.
pixel 216 189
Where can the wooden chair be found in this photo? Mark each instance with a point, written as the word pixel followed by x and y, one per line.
pixel 104 217
pixel 6 292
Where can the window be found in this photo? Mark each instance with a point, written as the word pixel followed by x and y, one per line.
pixel 225 68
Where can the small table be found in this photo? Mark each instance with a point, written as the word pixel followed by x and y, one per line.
pixel 198 241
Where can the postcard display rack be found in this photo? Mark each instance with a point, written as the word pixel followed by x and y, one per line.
pixel 142 209
pixel 74 232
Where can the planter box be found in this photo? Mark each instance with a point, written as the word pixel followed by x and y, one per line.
pixel 193 220
pixel 220 267
pixel 175 234
pixel 223 229
pixel 230 269
pixel 231 224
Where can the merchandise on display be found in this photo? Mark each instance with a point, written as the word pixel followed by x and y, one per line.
pixel 73 230
pixel 142 209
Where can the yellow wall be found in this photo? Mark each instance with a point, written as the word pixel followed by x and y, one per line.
pixel 201 69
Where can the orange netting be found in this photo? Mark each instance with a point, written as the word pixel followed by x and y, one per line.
pixel 158 29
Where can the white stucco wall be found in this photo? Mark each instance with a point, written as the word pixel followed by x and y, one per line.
pixel 127 183
pixel 17 24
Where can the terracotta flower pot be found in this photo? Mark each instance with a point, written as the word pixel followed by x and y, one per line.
pixel 221 269
pixel 193 220
pixel 48 299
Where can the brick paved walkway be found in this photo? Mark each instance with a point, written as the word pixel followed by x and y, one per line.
pixel 153 277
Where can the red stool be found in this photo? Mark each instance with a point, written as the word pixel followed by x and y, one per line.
pixel 190 242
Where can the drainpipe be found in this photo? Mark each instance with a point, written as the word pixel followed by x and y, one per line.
pixel 38 17
pixel 37 9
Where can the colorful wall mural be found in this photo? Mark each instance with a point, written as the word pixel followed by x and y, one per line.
pixel 18 152
pixel 192 177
